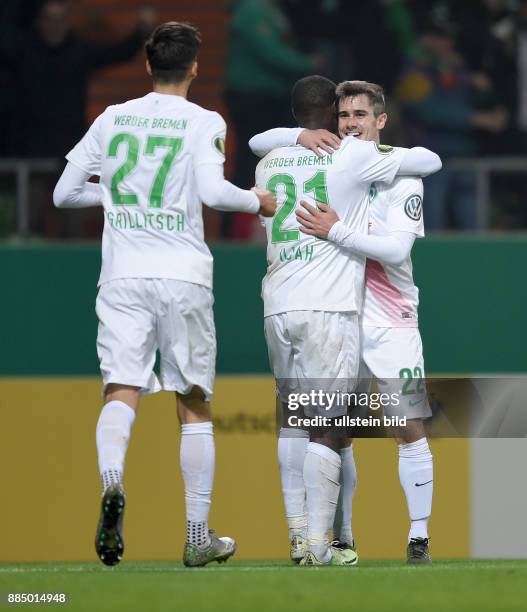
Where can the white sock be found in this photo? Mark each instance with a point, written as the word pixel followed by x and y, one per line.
pixel 292 445
pixel 321 480
pixel 348 483
pixel 416 473
pixel 112 435
pixel 197 458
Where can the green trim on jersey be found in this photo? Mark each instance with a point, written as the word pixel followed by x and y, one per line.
pixel 384 149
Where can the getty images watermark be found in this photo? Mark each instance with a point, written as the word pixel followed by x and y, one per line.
pixel 328 407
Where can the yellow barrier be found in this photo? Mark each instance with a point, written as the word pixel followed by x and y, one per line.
pixel 52 491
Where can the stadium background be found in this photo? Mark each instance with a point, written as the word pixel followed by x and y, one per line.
pixel 472 316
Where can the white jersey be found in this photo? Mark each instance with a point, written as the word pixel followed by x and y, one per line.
pixel 145 152
pixel 304 272
pixel 391 297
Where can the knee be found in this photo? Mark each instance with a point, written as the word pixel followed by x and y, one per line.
pixel 122 393
pixel 413 432
pixel 193 407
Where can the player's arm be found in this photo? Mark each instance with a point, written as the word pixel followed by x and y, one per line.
pixel 381 163
pixel 419 161
pixel 217 193
pixel 324 222
pixel 213 189
pixel 74 191
pixel 84 161
pixel 393 248
pixel 318 141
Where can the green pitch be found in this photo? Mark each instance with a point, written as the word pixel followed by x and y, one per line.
pixel 387 586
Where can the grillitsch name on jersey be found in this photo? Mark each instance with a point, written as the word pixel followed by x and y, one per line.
pixel 151 122
pixel 167 222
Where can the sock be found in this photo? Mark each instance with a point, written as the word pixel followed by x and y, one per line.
pixel 348 482
pixel 112 435
pixel 197 458
pixel 321 480
pixel 292 445
pixel 416 474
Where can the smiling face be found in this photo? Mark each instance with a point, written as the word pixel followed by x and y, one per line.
pixel 356 117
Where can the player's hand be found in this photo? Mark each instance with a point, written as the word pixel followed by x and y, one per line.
pixel 316 221
pixel 318 141
pixel 267 202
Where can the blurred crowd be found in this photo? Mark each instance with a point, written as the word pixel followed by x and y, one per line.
pixel 455 75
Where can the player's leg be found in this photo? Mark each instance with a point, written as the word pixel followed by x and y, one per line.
pixel 416 474
pixel 113 431
pixel 197 461
pixel 326 356
pixel 292 446
pixel 395 357
pixel 112 435
pixel 187 343
pixel 321 473
pixel 342 524
pixel 126 348
pixel 292 442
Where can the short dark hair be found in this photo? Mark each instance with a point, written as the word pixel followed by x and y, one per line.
pixel 375 93
pixel 312 100
pixel 171 49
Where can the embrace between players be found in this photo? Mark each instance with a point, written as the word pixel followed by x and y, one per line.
pixel 159 158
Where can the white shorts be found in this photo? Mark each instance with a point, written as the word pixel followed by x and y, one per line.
pixel 394 355
pixel 310 349
pixel 138 316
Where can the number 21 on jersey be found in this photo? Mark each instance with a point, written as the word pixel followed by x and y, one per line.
pixel 316 184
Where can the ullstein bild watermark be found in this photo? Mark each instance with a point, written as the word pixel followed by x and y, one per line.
pixel 346 421
pixel 474 407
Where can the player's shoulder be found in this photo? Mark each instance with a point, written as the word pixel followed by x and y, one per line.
pixel 128 105
pixel 204 115
pixel 405 187
pixel 351 145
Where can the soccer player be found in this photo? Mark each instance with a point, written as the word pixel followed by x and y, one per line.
pixel 159 157
pixel 391 348
pixel 312 295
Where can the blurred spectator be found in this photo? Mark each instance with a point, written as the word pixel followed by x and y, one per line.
pixel 376 56
pixel 341 31
pixel 520 56
pixel 261 69
pixel 48 71
pixel 318 28
pixel 484 36
pixel 439 98
pixel 52 67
